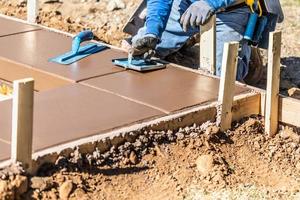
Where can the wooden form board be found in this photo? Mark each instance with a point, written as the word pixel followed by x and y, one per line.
pixel 32 10
pixel 288 109
pixel 208 45
pixel 10 71
pixel 227 84
pixel 246 105
pixel 22 122
pixel 273 79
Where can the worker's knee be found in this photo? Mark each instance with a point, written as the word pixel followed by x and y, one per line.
pixel 243 61
pixel 231 27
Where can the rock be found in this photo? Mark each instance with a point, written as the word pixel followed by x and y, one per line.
pixel 79 193
pixel 294 92
pixel 41 183
pixel 159 151
pixel 212 130
pixel 5 191
pixel 60 178
pixel 204 164
pixel 21 2
pixel 179 135
pixel 288 132
pixel 298 166
pixel 52 195
pixel 21 184
pixel 65 189
pixel 126 161
pixel 256 145
pixel 115 5
pixel 133 158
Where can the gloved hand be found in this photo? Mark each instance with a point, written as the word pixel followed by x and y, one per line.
pixel 145 45
pixel 197 14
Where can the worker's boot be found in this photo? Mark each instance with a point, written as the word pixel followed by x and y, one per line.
pixel 256 67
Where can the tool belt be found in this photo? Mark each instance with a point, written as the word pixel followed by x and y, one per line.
pixel 257 20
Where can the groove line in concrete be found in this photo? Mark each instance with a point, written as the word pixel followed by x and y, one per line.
pixel 18 33
pixel 127 98
pixel 4 141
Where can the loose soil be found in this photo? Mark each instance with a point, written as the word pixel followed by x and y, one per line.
pixel 196 162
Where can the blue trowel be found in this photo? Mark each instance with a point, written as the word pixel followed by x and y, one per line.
pixel 79 51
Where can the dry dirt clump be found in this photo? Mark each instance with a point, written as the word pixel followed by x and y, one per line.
pixel 13 182
pixel 196 162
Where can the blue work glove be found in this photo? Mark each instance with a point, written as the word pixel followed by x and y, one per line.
pixel 145 45
pixel 198 13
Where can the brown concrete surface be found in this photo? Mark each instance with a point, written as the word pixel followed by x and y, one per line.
pixel 10 71
pixel 9 27
pixel 35 48
pixel 75 111
pixel 4 151
pixel 169 89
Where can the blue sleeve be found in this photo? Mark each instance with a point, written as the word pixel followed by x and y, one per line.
pixel 158 12
pixel 217 4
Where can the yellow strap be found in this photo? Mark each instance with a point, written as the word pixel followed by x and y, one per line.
pixel 250 3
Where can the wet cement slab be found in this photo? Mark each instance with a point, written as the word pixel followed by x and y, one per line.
pixel 10 27
pixel 75 111
pixel 36 48
pixel 10 71
pixel 4 151
pixel 170 89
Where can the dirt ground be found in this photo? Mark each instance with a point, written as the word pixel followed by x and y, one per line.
pixel 192 163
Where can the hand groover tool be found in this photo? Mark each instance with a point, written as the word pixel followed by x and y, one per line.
pixel 139 64
pixel 79 51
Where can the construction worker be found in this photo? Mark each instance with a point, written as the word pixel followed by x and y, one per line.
pixel 170 23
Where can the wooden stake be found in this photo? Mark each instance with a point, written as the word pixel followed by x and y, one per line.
pixel 22 122
pixel 32 10
pixel 273 79
pixel 208 46
pixel 227 83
